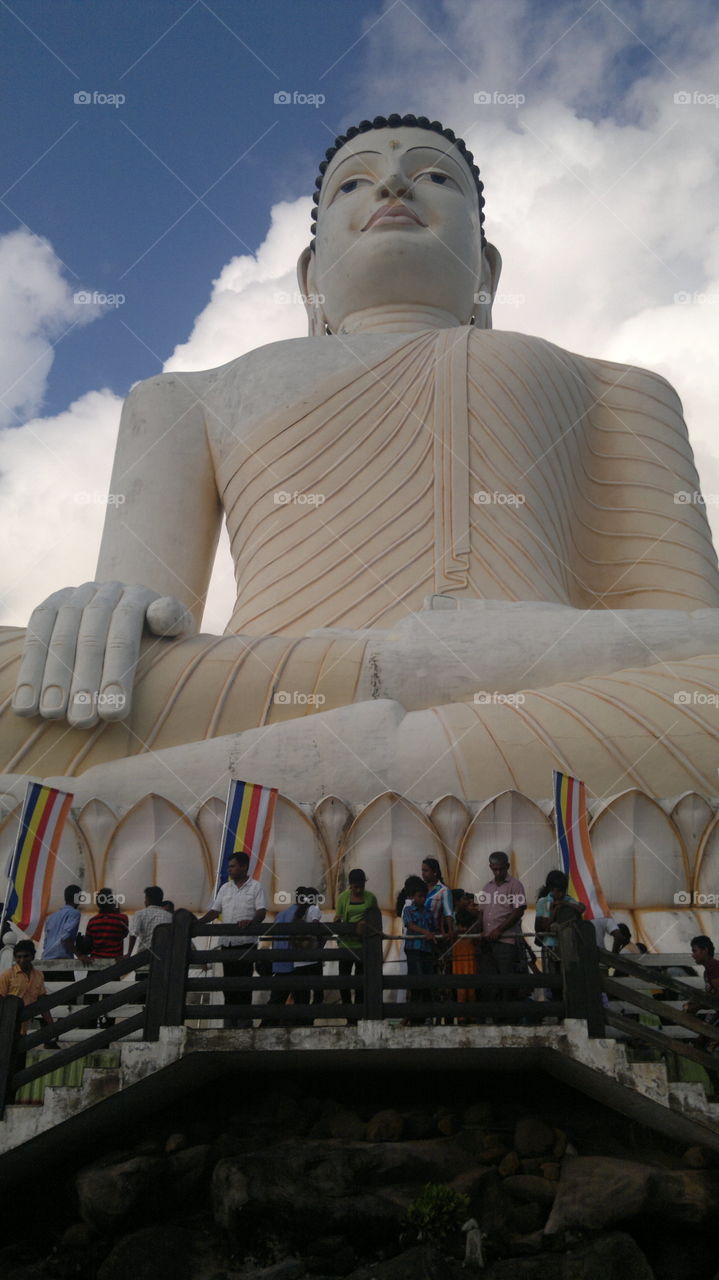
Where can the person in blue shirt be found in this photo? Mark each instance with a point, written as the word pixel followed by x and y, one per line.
pixel 418 922
pixel 304 907
pixel 61 928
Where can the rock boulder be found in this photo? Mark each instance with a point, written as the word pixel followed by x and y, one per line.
pixel 533 1137
pixel 114 1190
pixel 155 1253
pixel 385 1126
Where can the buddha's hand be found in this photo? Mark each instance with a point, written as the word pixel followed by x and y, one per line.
pixel 82 646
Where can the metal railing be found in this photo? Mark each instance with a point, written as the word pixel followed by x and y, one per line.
pixel 177 947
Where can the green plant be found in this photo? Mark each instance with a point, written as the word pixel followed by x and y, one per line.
pixel 437 1211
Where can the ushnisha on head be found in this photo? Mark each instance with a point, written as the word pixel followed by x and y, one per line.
pixel 398 232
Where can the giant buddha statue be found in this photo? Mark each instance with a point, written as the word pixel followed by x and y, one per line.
pixel 460 556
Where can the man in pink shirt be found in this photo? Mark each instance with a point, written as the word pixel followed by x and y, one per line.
pixel 502 903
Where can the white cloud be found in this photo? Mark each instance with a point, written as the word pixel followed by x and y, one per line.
pixel 36 307
pixel 46 463
pixel 254 299
pixel 55 475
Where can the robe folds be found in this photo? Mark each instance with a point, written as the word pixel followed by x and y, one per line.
pixel 484 466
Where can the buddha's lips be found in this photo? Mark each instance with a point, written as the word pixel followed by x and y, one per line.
pixel 394 212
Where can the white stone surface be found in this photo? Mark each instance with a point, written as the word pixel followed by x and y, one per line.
pixel 526 493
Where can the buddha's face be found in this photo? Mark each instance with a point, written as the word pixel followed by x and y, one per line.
pixel 398 223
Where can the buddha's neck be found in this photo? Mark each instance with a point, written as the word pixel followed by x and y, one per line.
pixel 398 319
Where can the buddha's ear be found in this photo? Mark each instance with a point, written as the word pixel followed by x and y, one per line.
pixel 488 283
pixel 306 280
pixel 492 259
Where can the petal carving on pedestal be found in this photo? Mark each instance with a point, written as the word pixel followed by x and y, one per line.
pixel 450 816
pixel 333 818
pixel 156 843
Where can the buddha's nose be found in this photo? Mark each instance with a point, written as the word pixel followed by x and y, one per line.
pixel 397 186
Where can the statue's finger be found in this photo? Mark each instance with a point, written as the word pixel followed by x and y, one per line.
pixel 122 652
pixel 92 640
pixel 169 617
pixel 26 699
pixel 60 662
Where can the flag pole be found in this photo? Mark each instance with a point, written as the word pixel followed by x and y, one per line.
pixel 224 837
pixel 11 869
pixel 3 914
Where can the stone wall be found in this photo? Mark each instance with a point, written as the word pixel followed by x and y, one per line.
pixel 314 1176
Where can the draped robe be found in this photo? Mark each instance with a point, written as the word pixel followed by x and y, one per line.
pixel 474 465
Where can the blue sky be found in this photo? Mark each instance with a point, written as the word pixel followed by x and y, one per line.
pixel 190 199
pixel 102 183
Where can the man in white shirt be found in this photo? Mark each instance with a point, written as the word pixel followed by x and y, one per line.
pixel 144 922
pixel 604 925
pixel 239 901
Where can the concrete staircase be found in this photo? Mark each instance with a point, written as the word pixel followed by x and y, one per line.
pixel 150 1074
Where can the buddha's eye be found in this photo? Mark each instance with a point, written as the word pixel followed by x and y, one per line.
pixel 351 185
pixel 440 179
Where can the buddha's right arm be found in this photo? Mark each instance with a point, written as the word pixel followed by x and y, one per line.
pixel 158 546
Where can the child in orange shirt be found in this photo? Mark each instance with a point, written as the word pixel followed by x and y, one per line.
pixel 464 952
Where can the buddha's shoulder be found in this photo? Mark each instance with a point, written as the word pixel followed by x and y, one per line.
pixel 285 358
pixel 605 378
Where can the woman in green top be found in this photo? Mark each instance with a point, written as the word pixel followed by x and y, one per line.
pixel 353 907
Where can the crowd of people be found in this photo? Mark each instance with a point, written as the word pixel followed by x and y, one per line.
pixel 443 931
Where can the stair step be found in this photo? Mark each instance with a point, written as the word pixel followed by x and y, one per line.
pixel 97 1083
pixel 691 1098
pixel 62 1010
pixel 78 1034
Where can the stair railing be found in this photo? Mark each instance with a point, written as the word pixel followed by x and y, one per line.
pixel 14 1016
pixel 668 1016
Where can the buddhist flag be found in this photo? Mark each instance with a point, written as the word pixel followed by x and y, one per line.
pixel 570 810
pixel 33 862
pixel 248 821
